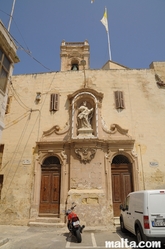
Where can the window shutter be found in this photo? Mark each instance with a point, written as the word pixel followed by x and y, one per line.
pixel 119 100
pixel 54 102
pixel 56 97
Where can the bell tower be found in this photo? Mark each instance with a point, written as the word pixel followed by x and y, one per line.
pixel 74 55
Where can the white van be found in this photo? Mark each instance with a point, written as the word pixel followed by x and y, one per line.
pixel 143 214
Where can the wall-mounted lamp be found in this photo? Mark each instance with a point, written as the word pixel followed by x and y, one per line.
pixel 38 96
pixel 83 62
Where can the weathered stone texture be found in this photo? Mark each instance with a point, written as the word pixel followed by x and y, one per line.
pixel 137 133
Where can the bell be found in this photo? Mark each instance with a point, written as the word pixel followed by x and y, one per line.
pixel 74 68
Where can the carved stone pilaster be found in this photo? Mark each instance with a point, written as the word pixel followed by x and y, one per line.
pixel 64 159
pixel 107 156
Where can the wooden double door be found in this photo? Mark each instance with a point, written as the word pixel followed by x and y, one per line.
pixel 50 190
pixel 122 185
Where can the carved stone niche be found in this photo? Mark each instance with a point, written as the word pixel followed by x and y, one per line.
pixel 85 154
pixel 92 99
pixel 85 118
pixel 84 115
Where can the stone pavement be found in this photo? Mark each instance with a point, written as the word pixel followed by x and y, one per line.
pixel 25 237
pixel 10 234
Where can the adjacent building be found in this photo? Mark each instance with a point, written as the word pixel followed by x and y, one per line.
pixel 82 135
pixel 8 58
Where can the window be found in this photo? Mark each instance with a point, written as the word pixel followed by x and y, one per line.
pixel 51 160
pixel 119 100
pixel 119 159
pixel 54 102
pixel 4 70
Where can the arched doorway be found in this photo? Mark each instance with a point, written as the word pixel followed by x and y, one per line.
pixel 50 186
pixel 122 183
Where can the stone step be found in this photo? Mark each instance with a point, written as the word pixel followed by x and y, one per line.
pixel 116 221
pixel 48 219
pixel 48 215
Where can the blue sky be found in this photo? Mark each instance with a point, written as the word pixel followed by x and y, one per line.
pixel 136 29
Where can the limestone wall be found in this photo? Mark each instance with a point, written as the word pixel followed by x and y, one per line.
pixel 143 116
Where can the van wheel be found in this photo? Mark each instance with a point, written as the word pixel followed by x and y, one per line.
pixel 122 227
pixel 139 236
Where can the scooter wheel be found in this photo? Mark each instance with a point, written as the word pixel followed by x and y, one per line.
pixel 78 236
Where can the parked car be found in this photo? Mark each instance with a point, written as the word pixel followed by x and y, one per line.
pixel 143 214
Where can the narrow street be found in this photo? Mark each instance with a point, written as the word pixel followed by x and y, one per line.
pixel 22 237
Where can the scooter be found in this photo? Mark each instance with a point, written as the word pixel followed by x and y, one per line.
pixel 74 224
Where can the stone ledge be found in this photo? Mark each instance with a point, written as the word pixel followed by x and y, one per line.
pixel 86 191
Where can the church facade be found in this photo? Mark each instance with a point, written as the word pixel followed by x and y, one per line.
pixel 84 136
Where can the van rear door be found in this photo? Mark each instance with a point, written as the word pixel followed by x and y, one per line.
pixel 156 208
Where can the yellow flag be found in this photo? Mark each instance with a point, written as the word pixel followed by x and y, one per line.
pixel 104 20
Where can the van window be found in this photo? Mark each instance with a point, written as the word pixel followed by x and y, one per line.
pixel 156 202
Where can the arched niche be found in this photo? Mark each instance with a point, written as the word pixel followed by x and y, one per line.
pixel 91 103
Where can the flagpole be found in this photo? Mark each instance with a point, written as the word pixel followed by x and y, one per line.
pixel 104 21
pixel 109 46
pixel 11 16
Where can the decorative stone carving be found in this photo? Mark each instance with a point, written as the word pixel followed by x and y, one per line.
pixel 114 128
pixel 75 54
pixel 56 129
pixel 64 158
pixel 134 154
pixel 107 156
pixel 85 154
pixel 159 81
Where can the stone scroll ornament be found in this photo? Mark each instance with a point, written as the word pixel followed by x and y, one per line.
pixel 85 154
pixel 159 81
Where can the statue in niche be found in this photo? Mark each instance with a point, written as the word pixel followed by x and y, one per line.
pixel 84 116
